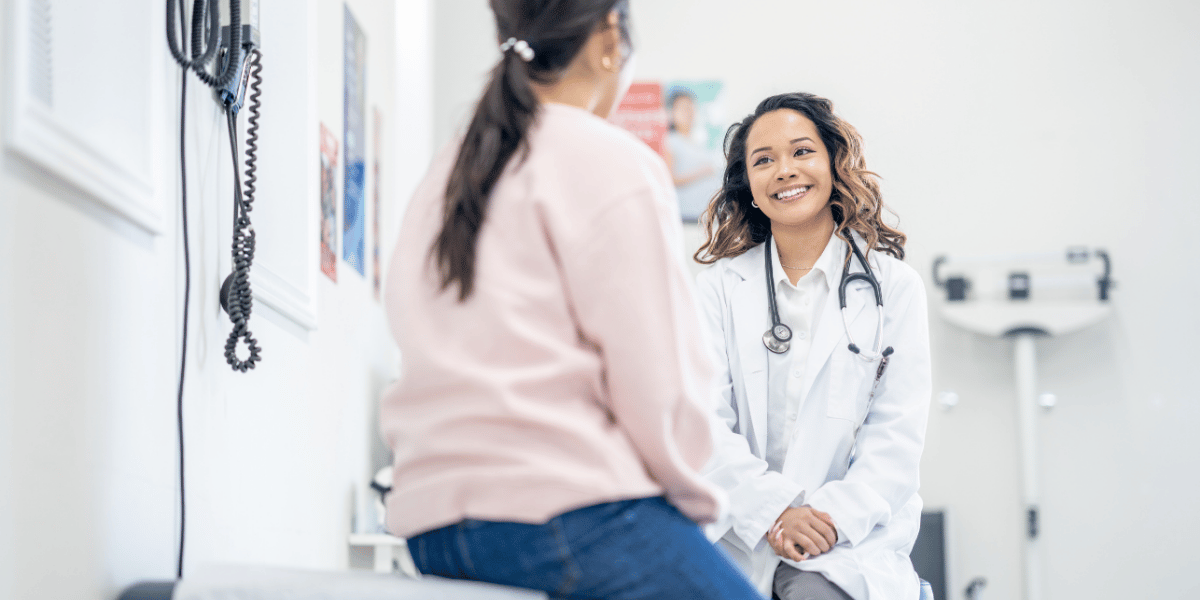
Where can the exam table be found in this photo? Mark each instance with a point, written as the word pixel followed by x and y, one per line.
pixel 266 583
pixel 240 582
pixel 270 583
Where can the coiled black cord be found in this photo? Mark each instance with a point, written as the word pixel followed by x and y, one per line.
pixel 211 34
pixel 235 292
pixel 205 34
pixel 255 110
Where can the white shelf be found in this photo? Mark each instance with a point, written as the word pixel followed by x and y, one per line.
pixel 376 539
pixel 385 552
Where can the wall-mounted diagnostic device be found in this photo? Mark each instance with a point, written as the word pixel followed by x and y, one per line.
pixel 228 32
pixel 1024 297
pixel 220 44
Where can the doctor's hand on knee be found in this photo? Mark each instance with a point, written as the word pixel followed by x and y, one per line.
pixel 802 532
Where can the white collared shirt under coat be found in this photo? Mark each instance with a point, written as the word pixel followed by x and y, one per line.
pixel 799 304
pixel 874 503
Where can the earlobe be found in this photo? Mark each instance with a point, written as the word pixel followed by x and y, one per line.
pixel 611 61
pixel 604 48
pixel 612 43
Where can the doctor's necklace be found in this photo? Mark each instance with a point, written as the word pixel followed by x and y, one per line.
pixel 796 268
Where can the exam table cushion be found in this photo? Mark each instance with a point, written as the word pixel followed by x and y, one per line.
pixel 268 583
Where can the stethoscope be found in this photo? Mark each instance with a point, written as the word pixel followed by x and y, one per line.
pixel 778 338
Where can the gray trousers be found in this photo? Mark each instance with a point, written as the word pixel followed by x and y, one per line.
pixel 793 584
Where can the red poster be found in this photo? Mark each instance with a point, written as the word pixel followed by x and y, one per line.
pixel 329 161
pixel 641 113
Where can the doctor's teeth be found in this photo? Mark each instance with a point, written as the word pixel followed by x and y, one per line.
pixel 790 193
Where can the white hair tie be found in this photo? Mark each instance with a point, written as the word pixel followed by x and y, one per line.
pixel 521 47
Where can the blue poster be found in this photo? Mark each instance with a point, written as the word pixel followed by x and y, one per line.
pixel 354 196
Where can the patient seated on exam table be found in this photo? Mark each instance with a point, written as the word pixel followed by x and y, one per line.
pixel 552 418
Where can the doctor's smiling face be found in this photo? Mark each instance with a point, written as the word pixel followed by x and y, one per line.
pixel 789 170
pixel 794 166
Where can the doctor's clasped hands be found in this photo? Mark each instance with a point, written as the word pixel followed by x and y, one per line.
pixel 802 532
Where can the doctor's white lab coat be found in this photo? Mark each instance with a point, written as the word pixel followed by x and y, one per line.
pixel 874 502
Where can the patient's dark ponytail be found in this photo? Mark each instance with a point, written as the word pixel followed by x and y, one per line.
pixel 555 31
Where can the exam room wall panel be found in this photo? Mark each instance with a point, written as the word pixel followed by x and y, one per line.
pixel 7 249
pixel 89 340
pixel 83 332
pixel 1015 126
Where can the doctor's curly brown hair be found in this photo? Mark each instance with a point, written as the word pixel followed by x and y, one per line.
pixel 733 226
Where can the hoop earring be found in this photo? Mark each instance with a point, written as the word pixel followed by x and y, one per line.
pixel 755 205
pixel 607 63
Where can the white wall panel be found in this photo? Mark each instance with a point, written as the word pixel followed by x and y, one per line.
pixel 286 209
pixel 83 99
pixel 88 395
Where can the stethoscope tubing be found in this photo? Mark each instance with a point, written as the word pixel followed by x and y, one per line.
pixel 868 276
pixel 778 338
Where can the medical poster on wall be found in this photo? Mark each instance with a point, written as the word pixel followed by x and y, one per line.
pixel 376 130
pixel 696 124
pixel 354 185
pixel 329 156
pixel 641 113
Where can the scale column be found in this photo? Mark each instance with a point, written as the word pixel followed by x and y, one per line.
pixel 1025 359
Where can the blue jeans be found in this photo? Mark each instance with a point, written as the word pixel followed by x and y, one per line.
pixel 624 550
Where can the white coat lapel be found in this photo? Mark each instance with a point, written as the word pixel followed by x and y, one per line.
pixel 748 303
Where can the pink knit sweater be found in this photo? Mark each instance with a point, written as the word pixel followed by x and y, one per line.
pixel 575 373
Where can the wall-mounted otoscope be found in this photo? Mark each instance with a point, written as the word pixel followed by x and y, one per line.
pixel 248 40
pixel 229 33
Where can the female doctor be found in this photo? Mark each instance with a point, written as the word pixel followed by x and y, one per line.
pixel 826 410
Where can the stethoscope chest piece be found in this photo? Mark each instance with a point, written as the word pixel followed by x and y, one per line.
pixel 782 333
pixel 778 338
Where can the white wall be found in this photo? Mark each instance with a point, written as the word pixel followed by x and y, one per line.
pixel 1023 126
pixel 7 489
pixel 464 53
pixel 90 336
